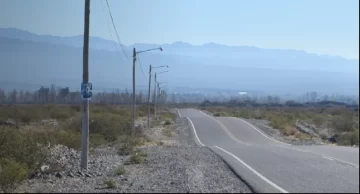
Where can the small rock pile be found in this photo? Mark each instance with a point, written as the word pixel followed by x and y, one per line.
pixel 65 162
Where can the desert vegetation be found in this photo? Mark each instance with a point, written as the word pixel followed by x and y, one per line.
pixel 336 123
pixel 27 130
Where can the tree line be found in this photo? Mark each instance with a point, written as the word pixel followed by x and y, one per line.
pixel 63 95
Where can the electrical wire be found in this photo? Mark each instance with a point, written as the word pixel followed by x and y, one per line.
pixel 112 38
pixel 138 60
pixel 116 32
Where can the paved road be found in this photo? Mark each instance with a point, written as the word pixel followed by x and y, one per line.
pixel 268 165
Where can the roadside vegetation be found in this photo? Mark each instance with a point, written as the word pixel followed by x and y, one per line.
pixel 342 124
pixel 27 130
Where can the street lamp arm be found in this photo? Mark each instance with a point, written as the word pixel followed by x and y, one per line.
pixel 161 66
pixel 162 72
pixel 149 50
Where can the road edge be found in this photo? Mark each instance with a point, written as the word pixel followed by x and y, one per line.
pixel 231 167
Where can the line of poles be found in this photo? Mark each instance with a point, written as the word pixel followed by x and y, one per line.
pixel 86 89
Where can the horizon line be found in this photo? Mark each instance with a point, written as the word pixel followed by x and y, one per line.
pixel 180 41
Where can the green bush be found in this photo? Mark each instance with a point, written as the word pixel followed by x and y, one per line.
pixel 168 132
pixel 21 148
pixel 97 140
pixel 167 122
pixel 11 174
pixel 136 157
pixel 220 114
pixel 120 170
pixel 126 147
pixel 70 139
pixel 318 120
pixel 110 183
pixel 109 125
pixel 349 138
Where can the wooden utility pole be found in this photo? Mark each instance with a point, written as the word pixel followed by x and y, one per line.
pixel 134 94
pixel 148 117
pixel 85 119
pixel 155 91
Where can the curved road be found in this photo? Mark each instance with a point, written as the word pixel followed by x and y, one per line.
pixel 268 165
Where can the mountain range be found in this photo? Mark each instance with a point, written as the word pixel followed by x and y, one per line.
pixel 29 60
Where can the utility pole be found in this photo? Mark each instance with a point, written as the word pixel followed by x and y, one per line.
pixel 148 118
pixel 85 119
pixel 157 96
pixel 133 116
pixel 155 90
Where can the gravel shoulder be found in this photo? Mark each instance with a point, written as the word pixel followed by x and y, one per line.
pixel 174 164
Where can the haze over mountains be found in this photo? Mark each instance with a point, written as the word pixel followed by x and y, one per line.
pixel 28 59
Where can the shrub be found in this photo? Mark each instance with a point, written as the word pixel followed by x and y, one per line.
pixel 289 130
pixel 97 140
pixel 110 183
pixel 137 157
pixel 220 114
pixel 343 123
pixel 21 148
pixel 168 132
pixel 167 122
pixel 349 138
pixel 126 147
pixel 70 139
pixel 120 170
pixel 277 122
pixel 318 120
pixel 11 174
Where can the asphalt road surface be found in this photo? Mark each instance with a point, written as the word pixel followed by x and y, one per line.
pixel 268 165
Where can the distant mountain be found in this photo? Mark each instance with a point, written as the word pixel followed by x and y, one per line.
pixel 41 59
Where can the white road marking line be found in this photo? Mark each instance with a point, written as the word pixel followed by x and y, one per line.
pixel 254 171
pixel 261 132
pixel 292 148
pixel 226 130
pixel 327 158
pixel 179 112
pixel 192 124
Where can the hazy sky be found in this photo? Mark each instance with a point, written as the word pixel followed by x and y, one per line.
pixel 318 26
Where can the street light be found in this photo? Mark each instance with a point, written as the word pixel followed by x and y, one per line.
pixel 134 98
pixel 148 117
pixel 155 91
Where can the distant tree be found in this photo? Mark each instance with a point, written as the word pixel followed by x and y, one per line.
pixel 13 97
pixel 21 96
pixel 27 97
pixel 44 94
pixel 52 94
pixel 62 94
pixel 2 96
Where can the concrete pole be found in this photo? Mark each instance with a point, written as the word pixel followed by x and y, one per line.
pixel 148 119
pixel 155 91
pixel 85 118
pixel 134 94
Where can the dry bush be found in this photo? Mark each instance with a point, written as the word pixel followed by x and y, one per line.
pixel 11 174
pixel 289 130
pixel 110 183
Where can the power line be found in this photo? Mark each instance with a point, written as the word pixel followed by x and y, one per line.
pixel 138 60
pixel 112 38
pixel 117 35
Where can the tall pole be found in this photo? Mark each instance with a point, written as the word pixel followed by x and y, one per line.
pixel 148 117
pixel 133 116
pixel 155 90
pixel 85 119
pixel 157 96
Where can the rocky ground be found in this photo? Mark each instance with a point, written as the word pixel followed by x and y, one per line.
pixel 173 164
